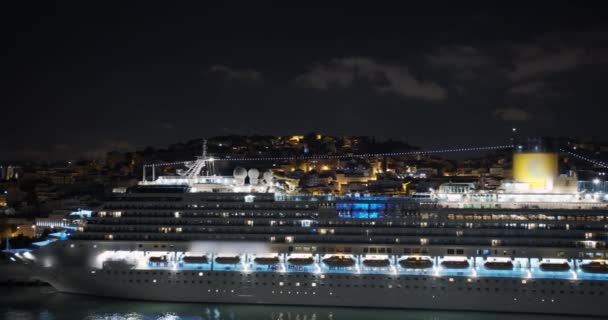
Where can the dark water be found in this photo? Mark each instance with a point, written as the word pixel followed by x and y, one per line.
pixel 44 303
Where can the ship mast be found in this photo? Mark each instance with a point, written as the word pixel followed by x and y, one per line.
pixel 204 148
pixel 204 161
pixel 202 166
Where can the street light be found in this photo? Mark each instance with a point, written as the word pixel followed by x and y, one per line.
pixel 596 181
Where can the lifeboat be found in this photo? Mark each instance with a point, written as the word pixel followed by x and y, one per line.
pixel 554 266
pixel 455 264
pixel 195 259
pixel 338 261
pixel 416 263
pixel 499 265
pixel 595 267
pixel 376 262
pixel 267 261
pixel 301 261
pixel 228 260
pixel 161 259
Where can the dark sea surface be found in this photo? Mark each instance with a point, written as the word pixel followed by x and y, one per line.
pixel 44 303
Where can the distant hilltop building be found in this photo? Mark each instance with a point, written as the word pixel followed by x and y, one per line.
pixel 9 172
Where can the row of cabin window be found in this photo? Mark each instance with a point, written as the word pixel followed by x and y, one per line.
pixel 390 286
pixel 346 277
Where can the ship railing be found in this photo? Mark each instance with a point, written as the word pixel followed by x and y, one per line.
pixel 522 267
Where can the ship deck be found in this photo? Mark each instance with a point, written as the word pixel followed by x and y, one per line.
pixel 436 271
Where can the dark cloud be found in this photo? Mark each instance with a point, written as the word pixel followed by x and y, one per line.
pixel 535 88
pixel 536 61
pixel 62 146
pixel 512 114
pixel 460 57
pixel 465 64
pixel 77 75
pixel 229 73
pixel 167 125
pixel 384 78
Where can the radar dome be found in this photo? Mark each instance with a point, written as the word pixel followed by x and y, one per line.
pixel 239 174
pixel 268 176
pixel 253 174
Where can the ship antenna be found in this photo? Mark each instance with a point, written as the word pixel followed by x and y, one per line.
pixel 208 162
pixel 204 148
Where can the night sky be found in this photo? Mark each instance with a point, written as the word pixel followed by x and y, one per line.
pixel 79 79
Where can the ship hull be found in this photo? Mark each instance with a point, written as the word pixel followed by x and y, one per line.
pixel 551 296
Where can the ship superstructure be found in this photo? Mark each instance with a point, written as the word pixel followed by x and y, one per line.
pixel 241 239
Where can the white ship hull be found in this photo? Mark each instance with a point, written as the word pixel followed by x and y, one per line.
pixel 349 290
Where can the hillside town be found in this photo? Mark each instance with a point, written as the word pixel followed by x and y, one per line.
pixel 37 198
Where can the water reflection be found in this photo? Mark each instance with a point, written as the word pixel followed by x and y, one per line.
pixel 43 303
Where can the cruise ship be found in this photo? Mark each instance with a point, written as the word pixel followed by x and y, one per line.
pixel 197 237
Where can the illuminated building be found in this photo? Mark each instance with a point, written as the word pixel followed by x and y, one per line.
pixel 3 202
pixel 296 139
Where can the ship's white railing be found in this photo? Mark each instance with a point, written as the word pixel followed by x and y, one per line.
pixel 520 267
